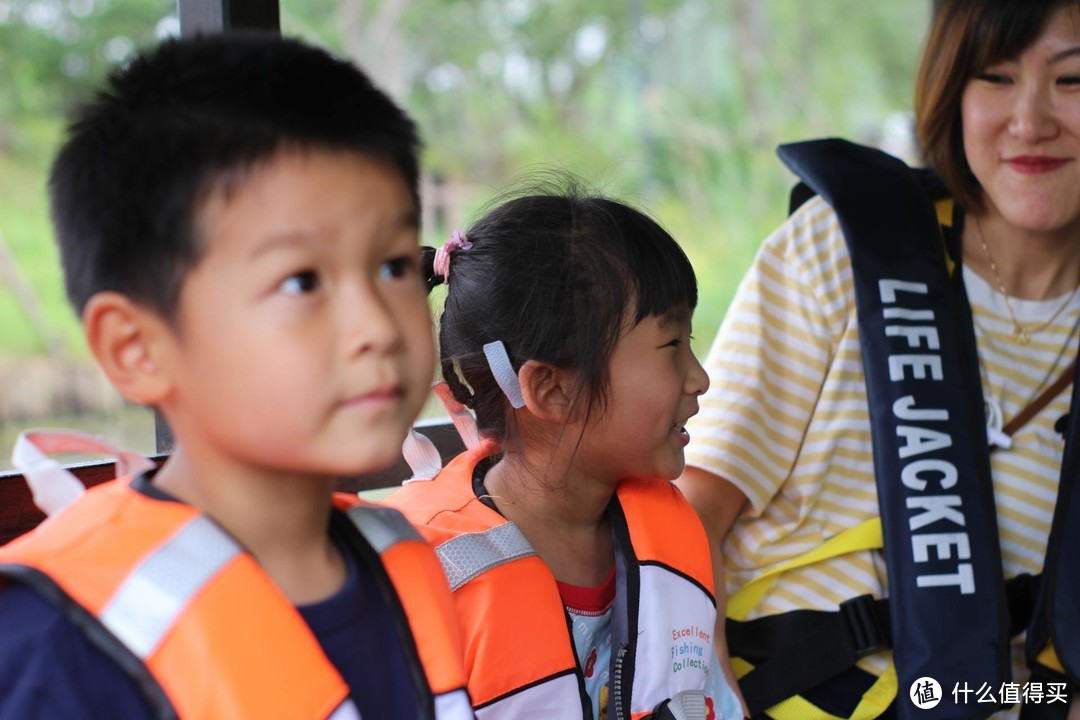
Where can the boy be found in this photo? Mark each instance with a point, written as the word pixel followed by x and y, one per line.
pixel 237 217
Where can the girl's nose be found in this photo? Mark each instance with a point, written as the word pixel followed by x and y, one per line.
pixel 697 380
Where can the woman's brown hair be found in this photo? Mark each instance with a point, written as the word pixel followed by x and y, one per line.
pixel 967 36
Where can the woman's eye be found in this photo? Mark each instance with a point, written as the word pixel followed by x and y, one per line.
pixel 993 78
pixel 300 283
pixel 1071 80
pixel 398 267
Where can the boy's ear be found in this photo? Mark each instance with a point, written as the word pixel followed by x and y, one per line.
pixel 126 340
pixel 547 391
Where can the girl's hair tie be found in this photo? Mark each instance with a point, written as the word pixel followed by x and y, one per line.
pixel 441 265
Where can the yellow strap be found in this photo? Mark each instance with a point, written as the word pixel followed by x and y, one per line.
pixel 874 701
pixel 865 536
pixel 944 209
pixel 1049 658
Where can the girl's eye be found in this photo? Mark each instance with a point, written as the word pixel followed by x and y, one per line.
pixel 398 267
pixel 674 343
pixel 1071 80
pixel 300 283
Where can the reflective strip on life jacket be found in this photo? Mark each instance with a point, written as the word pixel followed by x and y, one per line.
pixel 415 574
pixel 382 527
pixel 124 556
pixel 152 597
pixel 468 556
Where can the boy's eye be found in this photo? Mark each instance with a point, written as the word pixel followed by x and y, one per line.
pixel 300 283
pixel 398 267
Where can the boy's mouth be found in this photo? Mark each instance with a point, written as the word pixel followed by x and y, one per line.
pixel 376 397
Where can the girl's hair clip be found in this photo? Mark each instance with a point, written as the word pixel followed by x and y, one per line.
pixel 507 379
pixel 441 265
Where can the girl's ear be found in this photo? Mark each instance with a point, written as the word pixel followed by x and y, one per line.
pixel 547 391
pixel 126 340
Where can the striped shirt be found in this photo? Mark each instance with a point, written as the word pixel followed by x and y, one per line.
pixel 786 420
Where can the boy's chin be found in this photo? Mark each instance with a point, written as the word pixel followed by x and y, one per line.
pixel 372 460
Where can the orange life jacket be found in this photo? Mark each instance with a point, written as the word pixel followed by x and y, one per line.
pixel 204 631
pixel 519 651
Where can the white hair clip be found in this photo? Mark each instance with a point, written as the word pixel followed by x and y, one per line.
pixel 499 362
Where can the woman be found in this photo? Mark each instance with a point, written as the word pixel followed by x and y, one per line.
pixel 796 454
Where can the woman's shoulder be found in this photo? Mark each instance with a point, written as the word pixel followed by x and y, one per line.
pixel 810 241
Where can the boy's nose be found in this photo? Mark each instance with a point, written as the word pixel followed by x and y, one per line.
pixel 370 326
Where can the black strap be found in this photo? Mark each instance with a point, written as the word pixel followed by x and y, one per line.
pixel 1057 611
pixel 1045 710
pixel 796 651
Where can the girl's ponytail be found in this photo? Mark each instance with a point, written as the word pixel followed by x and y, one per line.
pixel 427 269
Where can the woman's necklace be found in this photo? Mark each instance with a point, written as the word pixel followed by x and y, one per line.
pixel 1021 335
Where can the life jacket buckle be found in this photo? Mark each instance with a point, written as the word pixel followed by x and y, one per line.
pixel 867 623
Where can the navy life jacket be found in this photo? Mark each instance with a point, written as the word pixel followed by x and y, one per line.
pixel 950 613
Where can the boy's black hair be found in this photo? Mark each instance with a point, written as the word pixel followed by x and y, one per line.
pixel 188 118
pixel 556 275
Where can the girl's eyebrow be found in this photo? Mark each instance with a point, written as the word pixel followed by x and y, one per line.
pixel 676 313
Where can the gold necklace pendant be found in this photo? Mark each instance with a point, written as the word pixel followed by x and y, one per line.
pixel 1021 335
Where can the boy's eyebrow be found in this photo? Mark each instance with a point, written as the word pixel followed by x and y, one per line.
pixel 409 219
pixel 280 241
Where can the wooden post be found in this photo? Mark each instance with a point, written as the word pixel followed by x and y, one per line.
pixel 211 16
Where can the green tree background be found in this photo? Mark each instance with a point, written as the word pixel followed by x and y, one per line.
pixel 675 105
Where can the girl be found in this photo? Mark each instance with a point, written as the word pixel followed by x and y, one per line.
pixel 581 576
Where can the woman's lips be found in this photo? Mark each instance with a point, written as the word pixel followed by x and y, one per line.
pixel 1035 164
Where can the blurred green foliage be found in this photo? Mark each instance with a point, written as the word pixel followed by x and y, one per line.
pixel 676 105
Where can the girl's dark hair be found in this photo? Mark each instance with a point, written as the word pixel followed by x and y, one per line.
pixel 556 276
pixel 965 38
